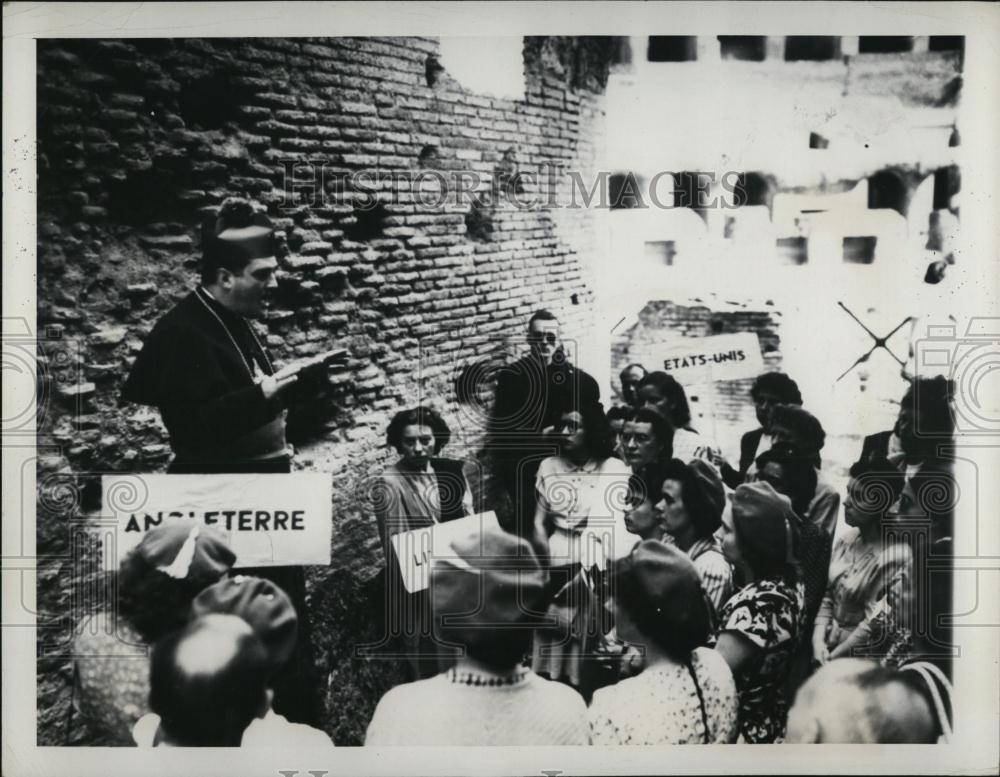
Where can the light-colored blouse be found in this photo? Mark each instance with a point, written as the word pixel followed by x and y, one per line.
pixel 867 584
pixel 585 507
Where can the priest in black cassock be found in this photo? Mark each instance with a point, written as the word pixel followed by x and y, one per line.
pixel 223 402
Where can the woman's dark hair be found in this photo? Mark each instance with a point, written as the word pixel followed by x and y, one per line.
pixel 700 511
pixel 648 484
pixel 505 650
pixel 779 385
pixel 660 426
pixel 798 472
pixel 667 385
pixel 596 430
pixel 154 603
pixel 877 486
pixel 930 400
pixel 618 413
pixel 418 416
pixel 676 639
pixel 769 547
pixel 803 424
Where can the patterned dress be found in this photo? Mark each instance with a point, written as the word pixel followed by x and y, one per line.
pixel 111 683
pixel 769 614
pixel 661 706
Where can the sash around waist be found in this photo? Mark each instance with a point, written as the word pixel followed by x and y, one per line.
pixel 264 442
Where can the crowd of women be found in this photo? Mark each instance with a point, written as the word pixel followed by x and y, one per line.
pixel 697 607
pixel 658 594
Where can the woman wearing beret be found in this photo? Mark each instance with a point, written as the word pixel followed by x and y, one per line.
pixel 201 705
pixel 489 697
pixel 157 582
pixel 576 510
pixel 686 694
pixel 692 501
pixel 421 489
pixel 761 625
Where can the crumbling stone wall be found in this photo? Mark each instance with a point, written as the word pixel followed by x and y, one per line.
pixel 140 140
pixel 728 402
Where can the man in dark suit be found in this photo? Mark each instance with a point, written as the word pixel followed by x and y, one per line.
pixel 530 396
pixel 223 403
pixel 768 390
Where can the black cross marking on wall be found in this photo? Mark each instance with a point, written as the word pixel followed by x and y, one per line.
pixel 880 342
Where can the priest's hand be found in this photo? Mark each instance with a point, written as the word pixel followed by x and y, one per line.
pixel 273 385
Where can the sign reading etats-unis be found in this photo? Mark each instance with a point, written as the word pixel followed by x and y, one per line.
pixel 708 359
pixel 269 520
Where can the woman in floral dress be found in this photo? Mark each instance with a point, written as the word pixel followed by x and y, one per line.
pixel 760 626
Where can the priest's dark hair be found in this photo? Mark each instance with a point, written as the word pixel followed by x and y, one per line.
pixel 418 416
pixel 235 213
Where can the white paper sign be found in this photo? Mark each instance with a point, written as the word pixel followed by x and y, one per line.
pixel 415 550
pixel 707 359
pixel 269 520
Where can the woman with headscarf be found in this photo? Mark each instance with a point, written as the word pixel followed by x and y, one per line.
pixel 421 489
pixel 692 498
pixel 577 511
pixel 761 625
pixel 488 697
pixel 686 693
pixel 157 581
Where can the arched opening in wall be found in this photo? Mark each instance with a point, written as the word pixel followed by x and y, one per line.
pixel 752 189
pixel 752 48
pixel 624 192
pixel 672 48
pixel 660 252
pixel 946 43
pixel 792 250
pixel 884 44
pixel 859 250
pixel 212 101
pixel 816 48
pixel 691 191
pixel 368 223
pixel 947 183
pixel 887 190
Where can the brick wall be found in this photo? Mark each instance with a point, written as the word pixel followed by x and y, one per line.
pixel 727 402
pixel 139 140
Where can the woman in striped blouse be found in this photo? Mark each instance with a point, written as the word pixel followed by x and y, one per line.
pixel 869 589
pixel 691 505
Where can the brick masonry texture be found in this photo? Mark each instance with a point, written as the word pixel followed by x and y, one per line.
pixel 140 140
pixel 728 401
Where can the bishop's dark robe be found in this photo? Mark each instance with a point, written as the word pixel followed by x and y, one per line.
pixel 199 366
